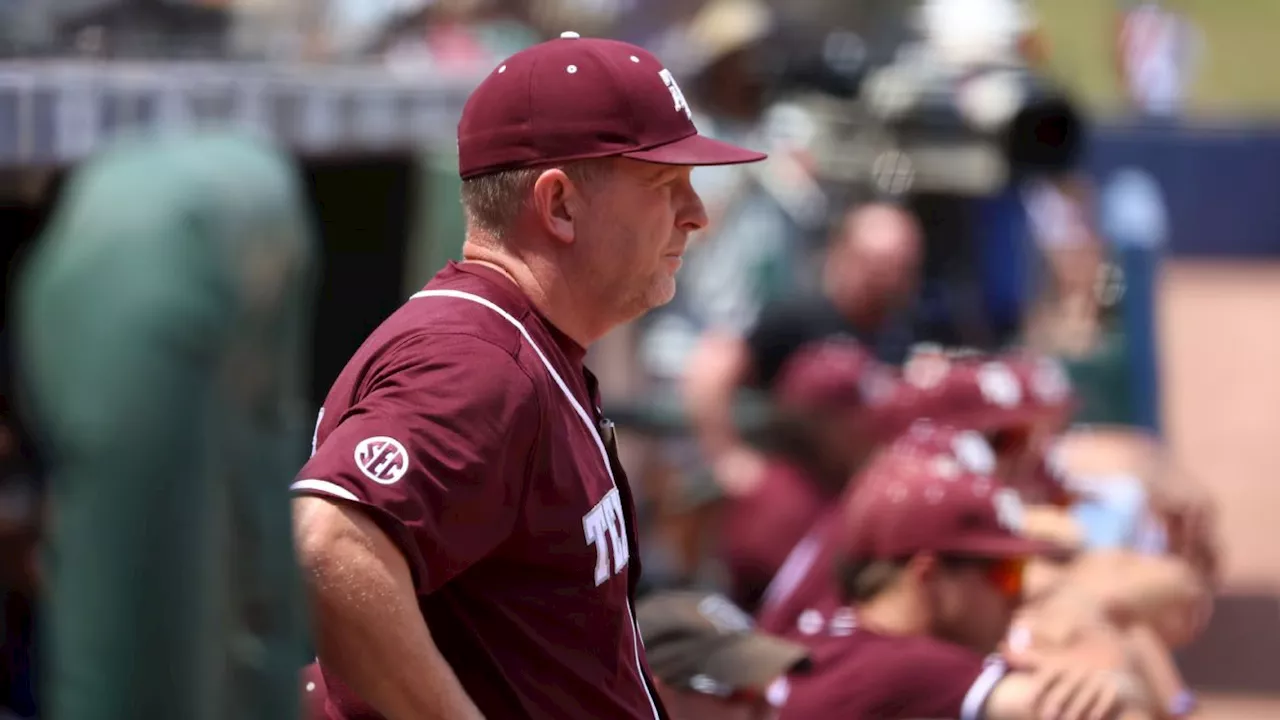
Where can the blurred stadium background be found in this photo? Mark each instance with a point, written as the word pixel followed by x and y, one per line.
pixel 1179 183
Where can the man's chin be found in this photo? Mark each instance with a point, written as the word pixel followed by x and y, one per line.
pixel 662 292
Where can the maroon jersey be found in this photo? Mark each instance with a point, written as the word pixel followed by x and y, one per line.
pixel 314 695
pixel 861 675
pixel 758 529
pixel 468 428
pixel 804 593
pixel 802 601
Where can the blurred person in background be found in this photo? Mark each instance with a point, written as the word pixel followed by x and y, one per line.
pixel 161 335
pixel 453 36
pixel 587 17
pixel 1016 403
pixel 1022 402
pixel 709 661
pixel 930 566
pixel 1065 317
pixel 745 255
pixel 750 253
pixel 1158 51
pixel 448 35
pixel 868 279
pixel 803 600
pixel 826 404
pixel 1171 511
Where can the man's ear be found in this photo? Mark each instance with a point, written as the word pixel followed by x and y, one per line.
pixel 556 200
pixel 922 567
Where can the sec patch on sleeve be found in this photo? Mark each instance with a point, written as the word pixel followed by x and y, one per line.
pixel 382 459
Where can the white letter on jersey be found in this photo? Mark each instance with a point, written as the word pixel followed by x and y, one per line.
pixel 676 93
pixel 606 527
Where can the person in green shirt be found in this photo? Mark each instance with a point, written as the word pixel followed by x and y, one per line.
pixel 161 331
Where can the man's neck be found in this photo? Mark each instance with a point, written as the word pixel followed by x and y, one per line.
pixel 550 296
pixel 860 314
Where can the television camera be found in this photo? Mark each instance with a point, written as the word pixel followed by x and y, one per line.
pixel 953 107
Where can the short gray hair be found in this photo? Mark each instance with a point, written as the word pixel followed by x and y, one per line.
pixel 492 201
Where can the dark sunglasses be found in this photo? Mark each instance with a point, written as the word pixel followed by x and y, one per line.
pixel 1005 574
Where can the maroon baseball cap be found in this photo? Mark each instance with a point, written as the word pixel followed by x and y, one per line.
pixel 986 392
pixel 833 374
pixel 932 491
pixel 575 98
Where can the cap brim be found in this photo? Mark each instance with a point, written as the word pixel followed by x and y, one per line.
pixel 755 660
pixel 697 150
pixel 1006 546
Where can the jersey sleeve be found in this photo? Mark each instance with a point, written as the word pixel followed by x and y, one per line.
pixel 437 448
pixel 935 679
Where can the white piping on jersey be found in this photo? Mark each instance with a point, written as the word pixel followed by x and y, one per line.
pixel 582 414
pixel 980 690
pixel 591 430
pixel 326 487
pixel 792 571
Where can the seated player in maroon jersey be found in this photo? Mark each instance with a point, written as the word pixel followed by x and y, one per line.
pixel 709 661
pixel 803 596
pixel 930 566
pixel 826 399
pixel 1021 402
pixel 1017 402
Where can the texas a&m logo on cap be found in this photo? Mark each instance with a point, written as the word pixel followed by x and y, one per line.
pixel 1050 382
pixel 676 93
pixel 1009 510
pixel 974 453
pixel 999 385
pixel 382 459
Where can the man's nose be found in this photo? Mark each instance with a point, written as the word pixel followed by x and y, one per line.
pixel 693 214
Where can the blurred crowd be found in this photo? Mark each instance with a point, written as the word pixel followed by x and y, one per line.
pixel 875 491
pixel 417 35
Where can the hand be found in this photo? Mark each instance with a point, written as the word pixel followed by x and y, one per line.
pixel 1162 592
pixel 1052 524
pixel 739 471
pixel 1060 620
pixel 1069 689
pixel 1190 518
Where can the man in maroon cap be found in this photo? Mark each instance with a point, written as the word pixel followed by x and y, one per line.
pixel 1008 407
pixel 931 565
pixel 464 522
pixel 804 596
pixel 826 401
